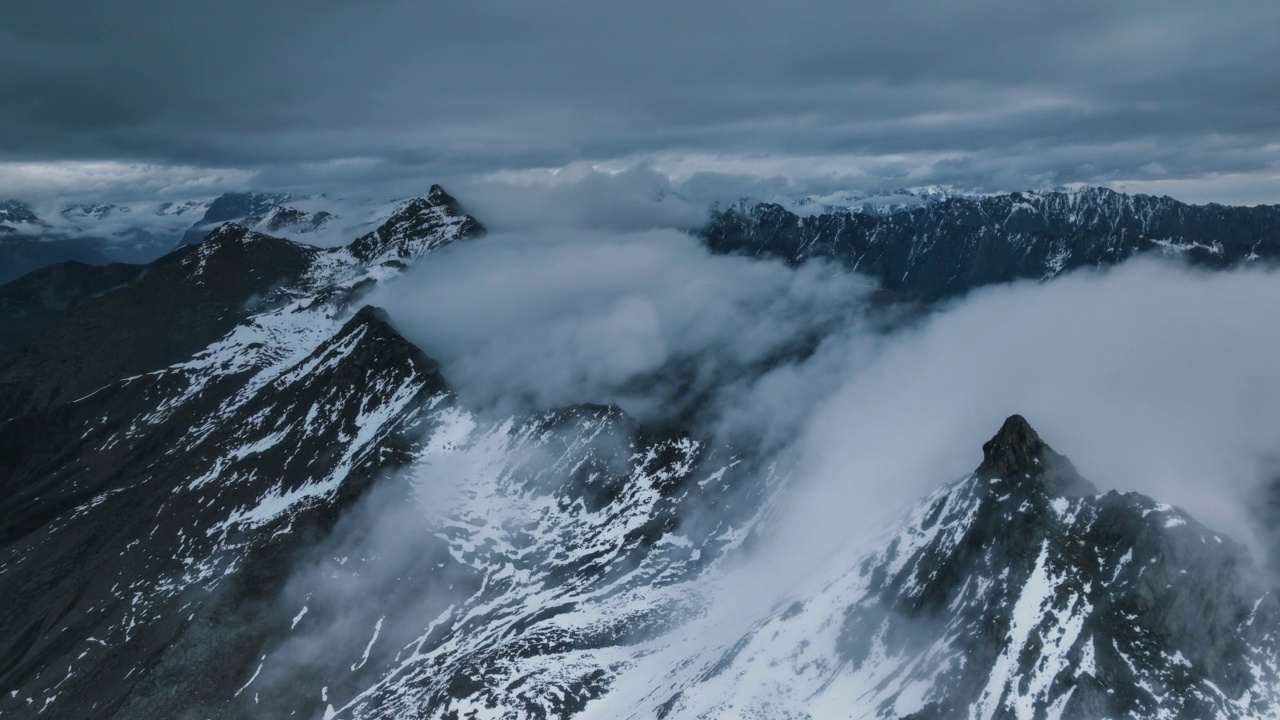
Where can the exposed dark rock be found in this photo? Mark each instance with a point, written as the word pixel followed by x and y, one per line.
pixel 21 253
pixel 948 248
pixel 32 303
pixel 1016 450
pixel 404 234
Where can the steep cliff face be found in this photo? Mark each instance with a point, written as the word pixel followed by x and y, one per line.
pixel 957 244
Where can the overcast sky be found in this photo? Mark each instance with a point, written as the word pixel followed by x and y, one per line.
pixel 147 97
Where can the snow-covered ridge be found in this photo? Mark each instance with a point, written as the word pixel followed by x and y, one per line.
pixel 948 247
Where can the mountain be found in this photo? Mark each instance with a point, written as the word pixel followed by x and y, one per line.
pixel 946 248
pixel 297 218
pixel 21 253
pixel 233 207
pixel 16 212
pixel 33 302
pixel 132 233
pixel 1018 591
pixel 27 243
pixel 138 233
pixel 233 489
pixel 417 228
pixel 92 234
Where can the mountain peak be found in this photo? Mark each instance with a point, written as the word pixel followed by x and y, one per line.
pixel 227 232
pixel 1016 450
pixel 419 226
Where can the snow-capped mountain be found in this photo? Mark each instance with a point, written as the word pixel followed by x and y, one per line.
pixel 951 246
pixel 265 212
pixel 16 212
pixel 233 489
pixel 1018 591
pixel 97 234
pixel 133 232
pixel 92 234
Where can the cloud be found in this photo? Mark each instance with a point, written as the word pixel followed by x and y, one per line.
pixel 1151 377
pixel 580 196
pixel 1004 95
pixel 648 320
pixel 65 182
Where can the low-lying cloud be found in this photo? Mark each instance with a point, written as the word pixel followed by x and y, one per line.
pixel 649 320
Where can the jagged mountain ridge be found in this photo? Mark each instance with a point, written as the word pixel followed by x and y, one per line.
pixel 139 233
pixel 886 202
pixel 240 419
pixel 957 244
pixel 1016 592
pixel 193 296
pixel 159 524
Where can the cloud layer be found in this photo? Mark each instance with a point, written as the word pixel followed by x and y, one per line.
pixel 996 95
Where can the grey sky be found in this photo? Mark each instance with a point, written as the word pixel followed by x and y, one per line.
pixel 389 96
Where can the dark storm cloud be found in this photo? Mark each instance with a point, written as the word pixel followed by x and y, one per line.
pixel 985 95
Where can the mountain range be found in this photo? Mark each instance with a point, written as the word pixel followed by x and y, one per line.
pixel 232 488
pixel 138 233
pixel 949 247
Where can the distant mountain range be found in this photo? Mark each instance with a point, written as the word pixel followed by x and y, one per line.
pixel 946 248
pixel 928 242
pixel 139 233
